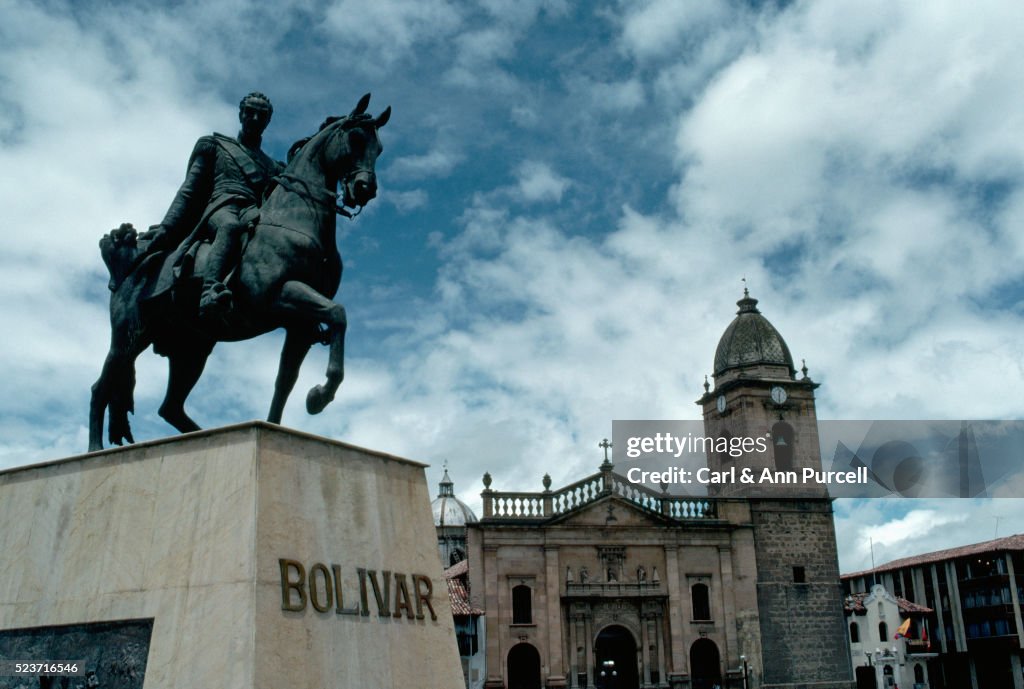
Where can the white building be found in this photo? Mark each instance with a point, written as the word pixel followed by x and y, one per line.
pixel 877 650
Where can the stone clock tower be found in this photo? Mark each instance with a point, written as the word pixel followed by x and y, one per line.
pixel 757 393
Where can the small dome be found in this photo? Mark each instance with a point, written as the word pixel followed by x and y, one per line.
pixel 750 340
pixel 448 509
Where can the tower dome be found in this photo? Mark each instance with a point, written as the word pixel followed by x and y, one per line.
pixel 751 341
pixel 448 509
pixel 450 518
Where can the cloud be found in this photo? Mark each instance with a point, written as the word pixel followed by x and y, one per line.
pixel 658 27
pixel 853 176
pixel 407 201
pixel 390 30
pixel 621 96
pixel 538 182
pixel 901 528
pixel 438 162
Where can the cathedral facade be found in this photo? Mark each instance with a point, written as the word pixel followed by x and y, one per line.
pixel 607 584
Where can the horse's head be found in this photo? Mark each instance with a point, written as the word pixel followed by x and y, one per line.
pixel 350 152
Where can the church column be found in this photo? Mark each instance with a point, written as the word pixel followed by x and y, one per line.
pixel 659 627
pixel 675 615
pixel 574 656
pixel 730 652
pixel 645 641
pixel 588 640
pixel 556 669
pixel 495 668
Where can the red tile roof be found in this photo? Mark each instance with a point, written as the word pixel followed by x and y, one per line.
pixel 458 590
pixel 855 603
pixel 457 570
pixel 460 599
pixel 1015 542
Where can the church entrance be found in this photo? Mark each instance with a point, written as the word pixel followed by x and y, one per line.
pixel 705 666
pixel 866 677
pixel 615 659
pixel 523 667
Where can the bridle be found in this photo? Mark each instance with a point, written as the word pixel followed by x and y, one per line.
pixel 324 197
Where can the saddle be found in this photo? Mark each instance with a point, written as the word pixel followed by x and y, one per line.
pixel 189 272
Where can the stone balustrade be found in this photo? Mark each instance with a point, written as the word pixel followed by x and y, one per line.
pixel 543 505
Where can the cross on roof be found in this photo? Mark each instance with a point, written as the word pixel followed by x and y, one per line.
pixel 605 444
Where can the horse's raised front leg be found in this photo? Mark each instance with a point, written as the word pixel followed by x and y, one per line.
pixel 299 299
pixel 184 366
pixel 296 345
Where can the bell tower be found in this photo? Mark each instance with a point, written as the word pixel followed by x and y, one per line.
pixel 758 395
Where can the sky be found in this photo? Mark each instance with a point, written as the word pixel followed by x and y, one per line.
pixel 571 197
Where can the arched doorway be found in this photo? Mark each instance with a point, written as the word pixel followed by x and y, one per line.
pixel 615 659
pixel 866 677
pixel 705 666
pixel 523 667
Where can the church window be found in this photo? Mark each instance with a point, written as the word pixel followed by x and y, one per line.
pixel 854 633
pixel 799 575
pixel 701 602
pixel 883 632
pixel 725 442
pixel 918 673
pixel 782 446
pixel 522 605
pixel 456 557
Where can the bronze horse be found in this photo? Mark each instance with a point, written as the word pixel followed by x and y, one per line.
pixel 289 273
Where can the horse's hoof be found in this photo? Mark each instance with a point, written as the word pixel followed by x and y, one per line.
pixel 317 399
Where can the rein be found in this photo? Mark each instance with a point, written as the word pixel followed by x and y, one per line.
pixel 322 197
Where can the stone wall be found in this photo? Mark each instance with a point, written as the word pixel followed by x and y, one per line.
pixel 802 625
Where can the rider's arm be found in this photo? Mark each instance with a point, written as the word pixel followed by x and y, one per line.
pixel 190 201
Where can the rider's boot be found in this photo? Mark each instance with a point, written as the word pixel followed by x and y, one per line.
pixel 215 300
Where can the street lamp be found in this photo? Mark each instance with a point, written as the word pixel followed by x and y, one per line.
pixel 744 659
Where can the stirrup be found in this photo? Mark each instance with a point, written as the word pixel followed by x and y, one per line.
pixel 215 300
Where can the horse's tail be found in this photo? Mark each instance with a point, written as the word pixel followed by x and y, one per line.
pixel 120 251
pixel 122 403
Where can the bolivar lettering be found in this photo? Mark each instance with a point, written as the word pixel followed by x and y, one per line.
pixel 325 587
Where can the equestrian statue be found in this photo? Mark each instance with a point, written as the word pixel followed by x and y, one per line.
pixel 246 247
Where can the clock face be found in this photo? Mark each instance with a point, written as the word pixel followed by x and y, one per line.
pixel 721 404
pixel 778 394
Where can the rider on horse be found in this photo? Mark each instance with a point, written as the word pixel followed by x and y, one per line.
pixel 223 188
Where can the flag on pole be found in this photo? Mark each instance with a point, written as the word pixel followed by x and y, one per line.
pixel 904 629
pixel 924 638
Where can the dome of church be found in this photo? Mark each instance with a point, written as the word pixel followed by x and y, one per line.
pixel 448 509
pixel 750 340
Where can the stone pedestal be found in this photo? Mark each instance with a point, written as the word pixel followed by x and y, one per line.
pixel 263 557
